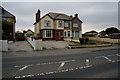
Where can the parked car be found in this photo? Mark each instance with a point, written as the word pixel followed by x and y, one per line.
pixel 20 36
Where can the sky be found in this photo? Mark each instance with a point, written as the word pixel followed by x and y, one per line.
pixel 95 15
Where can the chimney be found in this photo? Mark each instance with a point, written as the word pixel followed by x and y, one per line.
pixel 37 15
pixel 71 16
pixel 76 15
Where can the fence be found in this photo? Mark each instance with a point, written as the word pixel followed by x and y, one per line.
pixel 36 44
pixel 104 39
pixel 3 45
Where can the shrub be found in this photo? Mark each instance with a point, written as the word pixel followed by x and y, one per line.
pixel 81 40
pixel 86 40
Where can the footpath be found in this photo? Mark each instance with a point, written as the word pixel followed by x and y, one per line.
pixel 54 52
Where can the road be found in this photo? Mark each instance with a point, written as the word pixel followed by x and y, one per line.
pixel 95 64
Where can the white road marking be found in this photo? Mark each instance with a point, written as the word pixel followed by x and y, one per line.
pixel 62 64
pixel 87 62
pixel 46 73
pixel 117 54
pixel 99 56
pixel 21 69
pixel 107 58
pixel 45 63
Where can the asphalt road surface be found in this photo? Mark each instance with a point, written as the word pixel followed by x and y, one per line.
pixel 96 64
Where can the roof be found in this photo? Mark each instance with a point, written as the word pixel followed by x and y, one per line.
pixel 29 30
pixel 92 32
pixel 6 13
pixel 58 16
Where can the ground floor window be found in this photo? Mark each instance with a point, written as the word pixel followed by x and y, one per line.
pixel 47 33
pixel 68 33
pixel 64 34
pixel 75 34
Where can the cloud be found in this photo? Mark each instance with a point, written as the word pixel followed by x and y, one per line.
pixel 95 15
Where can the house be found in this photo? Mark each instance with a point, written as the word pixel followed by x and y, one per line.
pixel 57 26
pixel 91 33
pixel 8 24
pixel 29 33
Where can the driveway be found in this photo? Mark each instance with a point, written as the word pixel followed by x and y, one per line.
pixel 20 46
pixel 55 44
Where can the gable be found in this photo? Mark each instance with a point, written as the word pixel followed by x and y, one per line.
pixel 29 32
pixel 77 19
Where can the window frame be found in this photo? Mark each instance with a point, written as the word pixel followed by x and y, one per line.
pixel 45 23
pixel 75 24
pixel 47 33
pixel 59 23
pixel 65 24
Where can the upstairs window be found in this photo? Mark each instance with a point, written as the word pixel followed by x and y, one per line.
pixel 47 23
pixel 65 24
pixel 75 24
pixel 59 23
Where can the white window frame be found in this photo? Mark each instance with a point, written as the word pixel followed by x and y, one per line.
pixel 45 33
pixel 47 21
pixel 65 34
pixel 59 23
pixel 75 24
pixel 73 34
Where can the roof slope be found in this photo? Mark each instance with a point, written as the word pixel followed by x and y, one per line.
pixel 59 16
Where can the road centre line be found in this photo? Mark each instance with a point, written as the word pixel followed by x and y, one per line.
pixel 45 63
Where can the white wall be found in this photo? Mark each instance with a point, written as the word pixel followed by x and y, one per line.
pixel 36 44
pixel 3 45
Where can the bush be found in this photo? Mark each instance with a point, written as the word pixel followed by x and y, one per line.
pixel 86 40
pixel 81 40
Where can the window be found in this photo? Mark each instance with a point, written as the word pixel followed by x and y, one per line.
pixel 68 33
pixel 75 24
pixel 47 23
pixel 64 34
pixel 59 23
pixel 47 33
pixel 75 34
pixel 65 24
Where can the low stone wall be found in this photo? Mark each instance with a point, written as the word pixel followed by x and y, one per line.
pixel 104 39
pixel 36 44
pixel 3 45
pixel 69 39
pixel 88 45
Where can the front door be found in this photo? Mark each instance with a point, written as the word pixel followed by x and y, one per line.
pixel 57 35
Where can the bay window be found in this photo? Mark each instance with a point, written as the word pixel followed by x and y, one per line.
pixel 47 33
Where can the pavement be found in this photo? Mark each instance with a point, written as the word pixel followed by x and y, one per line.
pixel 55 44
pixel 19 46
pixel 18 50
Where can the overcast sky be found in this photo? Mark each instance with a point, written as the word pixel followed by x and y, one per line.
pixel 95 15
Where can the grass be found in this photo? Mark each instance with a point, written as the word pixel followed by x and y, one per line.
pixel 90 42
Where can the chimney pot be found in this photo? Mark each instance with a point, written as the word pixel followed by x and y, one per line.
pixel 76 15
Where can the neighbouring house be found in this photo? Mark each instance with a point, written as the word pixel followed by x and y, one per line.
pixel 8 24
pixel 102 34
pixel 57 26
pixel 29 33
pixel 91 33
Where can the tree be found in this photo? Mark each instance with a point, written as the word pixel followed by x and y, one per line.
pixel 7 28
pixel 111 30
